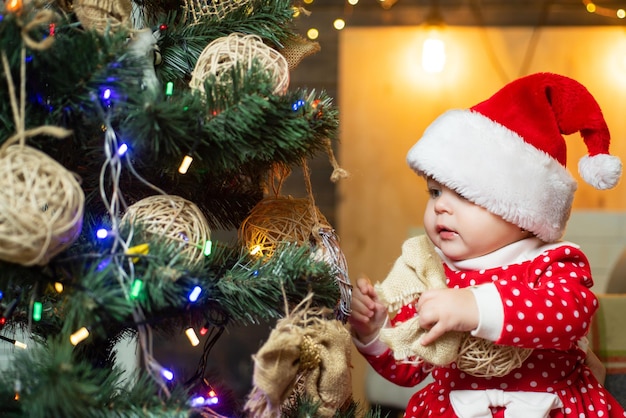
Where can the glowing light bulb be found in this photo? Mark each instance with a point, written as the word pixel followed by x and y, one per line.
pixel 102 233
pixel 37 310
pixel 194 294
pixel 184 166
pixel 135 288
pixel 14 5
pixel 58 286
pixel 79 336
pixel 208 247
pixel 193 338
pixel 169 88
pixel 122 150
pixel 255 250
pixel 313 33
pixel 433 54
pixel 143 249
pixel 167 374
pixel 339 24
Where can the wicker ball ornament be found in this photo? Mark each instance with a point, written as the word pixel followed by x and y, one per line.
pixel 220 56
pixel 172 220
pixel 482 358
pixel 41 206
pixel 276 220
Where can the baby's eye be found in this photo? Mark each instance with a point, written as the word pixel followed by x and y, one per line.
pixel 434 192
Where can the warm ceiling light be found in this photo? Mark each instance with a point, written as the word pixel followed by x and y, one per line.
pixel 434 49
pixel 353 2
pixel 387 4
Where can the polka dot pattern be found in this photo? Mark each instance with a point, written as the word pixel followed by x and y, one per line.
pixel 547 306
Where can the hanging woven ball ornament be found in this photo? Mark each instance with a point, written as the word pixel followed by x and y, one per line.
pixel 172 220
pixel 220 56
pixel 41 206
pixel 483 358
pixel 102 15
pixel 276 220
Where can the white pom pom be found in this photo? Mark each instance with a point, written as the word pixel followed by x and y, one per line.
pixel 602 171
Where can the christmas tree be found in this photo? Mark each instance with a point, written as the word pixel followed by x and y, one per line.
pixel 130 132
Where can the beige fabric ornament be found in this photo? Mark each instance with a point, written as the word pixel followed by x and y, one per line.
pixel 420 268
pixel 173 220
pixel 305 353
pixel 220 56
pixel 41 203
pixel 298 48
pixel 103 15
pixel 196 10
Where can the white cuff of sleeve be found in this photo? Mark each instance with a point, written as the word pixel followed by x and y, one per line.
pixel 373 348
pixel 490 312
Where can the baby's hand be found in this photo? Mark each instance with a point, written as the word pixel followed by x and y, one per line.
pixel 368 314
pixel 443 310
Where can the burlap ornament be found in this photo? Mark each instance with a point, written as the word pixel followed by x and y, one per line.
pixel 220 56
pixel 103 15
pixel 307 353
pixel 420 268
pixel 172 220
pixel 298 48
pixel 197 10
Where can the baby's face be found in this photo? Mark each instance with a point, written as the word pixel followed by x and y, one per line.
pixel 462 229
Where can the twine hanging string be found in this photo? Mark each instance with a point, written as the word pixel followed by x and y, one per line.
pixel 19 116
pixel 338 172
pixel 328 241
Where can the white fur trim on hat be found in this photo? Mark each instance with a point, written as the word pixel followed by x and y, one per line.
pixel 495 168
pixel 602 171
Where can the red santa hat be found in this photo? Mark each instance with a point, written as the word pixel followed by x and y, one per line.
pixel 507 154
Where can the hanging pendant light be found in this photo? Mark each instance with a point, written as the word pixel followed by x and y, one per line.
pixel 387 4
pixel 434 48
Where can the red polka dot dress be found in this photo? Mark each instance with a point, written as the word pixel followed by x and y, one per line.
pixel 547 306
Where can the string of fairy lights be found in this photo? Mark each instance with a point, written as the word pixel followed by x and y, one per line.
pixel 340 23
